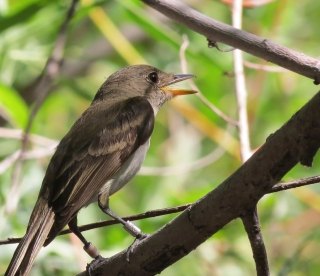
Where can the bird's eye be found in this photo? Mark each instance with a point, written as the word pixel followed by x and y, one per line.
pixel 153 77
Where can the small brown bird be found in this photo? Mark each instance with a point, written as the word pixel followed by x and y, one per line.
pixel 102 151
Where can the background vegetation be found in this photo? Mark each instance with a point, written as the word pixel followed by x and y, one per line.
pixel 106 35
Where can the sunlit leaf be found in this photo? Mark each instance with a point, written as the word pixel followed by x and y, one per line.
pixel 13 106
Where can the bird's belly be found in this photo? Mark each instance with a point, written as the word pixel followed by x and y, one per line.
pixel 127 171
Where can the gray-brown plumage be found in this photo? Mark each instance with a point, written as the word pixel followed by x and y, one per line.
pixel 102 151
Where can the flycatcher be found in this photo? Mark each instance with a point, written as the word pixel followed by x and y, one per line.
pixel 102 151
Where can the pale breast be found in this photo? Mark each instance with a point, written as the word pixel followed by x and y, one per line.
pixel 128 170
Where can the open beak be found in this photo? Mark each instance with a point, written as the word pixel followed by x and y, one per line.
pixel 178 91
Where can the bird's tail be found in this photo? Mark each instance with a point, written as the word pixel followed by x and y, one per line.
pixel 41 221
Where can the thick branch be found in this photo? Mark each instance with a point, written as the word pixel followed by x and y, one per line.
pixel 297 141
pixel 216 31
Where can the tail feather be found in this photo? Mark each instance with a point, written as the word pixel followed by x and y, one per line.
pixel 40 224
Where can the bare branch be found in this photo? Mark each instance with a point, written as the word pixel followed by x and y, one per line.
pixel 251 224
pixel 264 67
pixel 181 169
pixel 42 85
pixel 295 184
pixel 149 214
pixel 203 99
pixel 240 87
pixel 257 46
pixel 33 138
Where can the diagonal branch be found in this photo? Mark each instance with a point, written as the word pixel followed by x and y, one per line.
pixel 297 141
pixel 216 31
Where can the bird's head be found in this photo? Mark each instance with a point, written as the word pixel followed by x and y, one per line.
pixel 145 81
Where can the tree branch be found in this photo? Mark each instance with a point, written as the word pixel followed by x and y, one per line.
pixel 297 141
pixel 216 31
pixel 240 87
pixel 148 214
pixel 252 226
pixel 295 184
pixel 42 85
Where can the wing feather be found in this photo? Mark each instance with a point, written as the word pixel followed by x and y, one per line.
pixel 91 153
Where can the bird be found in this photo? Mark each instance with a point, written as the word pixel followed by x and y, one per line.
pixel 101 153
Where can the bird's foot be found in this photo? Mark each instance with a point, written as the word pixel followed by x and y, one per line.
pixel 91 250
pixel 95 263
pixel 134 244
pixel 133 230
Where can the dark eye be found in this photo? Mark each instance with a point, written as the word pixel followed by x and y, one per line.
pixel 153 77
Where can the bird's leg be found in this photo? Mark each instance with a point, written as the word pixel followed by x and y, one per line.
pixel 91 250
pixel 130 227
pixel 88 246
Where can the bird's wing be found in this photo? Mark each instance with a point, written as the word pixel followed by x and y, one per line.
pixel 92 152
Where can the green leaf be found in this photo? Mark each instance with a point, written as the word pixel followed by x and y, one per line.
pixel 20 16
pixel 14 106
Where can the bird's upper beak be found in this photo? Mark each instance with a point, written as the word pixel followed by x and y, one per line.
pixel 178 91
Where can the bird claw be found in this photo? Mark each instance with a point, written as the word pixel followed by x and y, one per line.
pixel 94 264
pixel 134 244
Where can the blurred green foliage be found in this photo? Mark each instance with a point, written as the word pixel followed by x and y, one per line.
pixel 289 219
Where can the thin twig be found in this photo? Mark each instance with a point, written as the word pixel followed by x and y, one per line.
pixel 51 144
pixel 42 87
pixel 240 87
pixel 265 67
pixel 46 149
pixel 30 154
pixel 149 214
pixel 181 169
pixel 251 224
pixel 295 184
pixel 8 161
pixel 203 99
pixel 160 212
pixel 33 138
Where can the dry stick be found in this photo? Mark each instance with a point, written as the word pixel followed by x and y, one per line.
pixel 251 218
pixel 203 99
pixel 264 67
pixel 184 168
pixel 252 226
pixel 148 214
pixel 166 211
pixel 50 145
pixel 216 31
pixel 42 86
pixel 28 154
pixel 46 149
pixel 34 138
pixel 295 184
pixel 240 87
